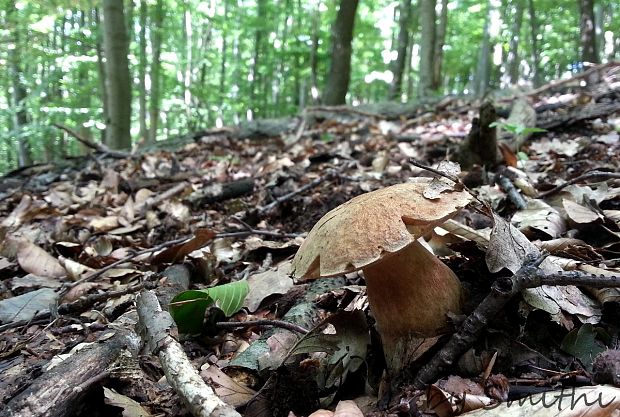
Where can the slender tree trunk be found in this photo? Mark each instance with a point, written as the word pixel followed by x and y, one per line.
pixel 156 29
pixel 427 46
pixel 257 76
pixel 535 52
pixel 144 136
pixel 483 70
pixel 314 61
pixel 101 70
pixel 223 57
pixel 440 40
pixel 340 65
pixel 513 51
pixel 187 74
pixel 118 82
pixel 85 93
pixel 588 32
pixel 398 66
pixel 20 115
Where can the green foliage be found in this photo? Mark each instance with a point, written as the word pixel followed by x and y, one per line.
pixel 223 62
pixel 517 129
pixel 188 308
pixel 582 343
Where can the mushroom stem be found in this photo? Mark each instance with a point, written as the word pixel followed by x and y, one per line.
pixel 410 294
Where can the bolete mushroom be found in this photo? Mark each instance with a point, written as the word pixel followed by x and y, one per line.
pixel 410 291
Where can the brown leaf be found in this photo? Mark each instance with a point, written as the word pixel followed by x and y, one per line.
pixel 35 260
pixel 174 253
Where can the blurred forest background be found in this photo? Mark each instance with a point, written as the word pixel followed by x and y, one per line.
pixel 135 72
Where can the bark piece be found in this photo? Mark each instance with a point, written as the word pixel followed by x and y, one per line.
pixel 58 392
pixel 480 146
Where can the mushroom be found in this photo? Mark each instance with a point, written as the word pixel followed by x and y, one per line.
pixel 410 291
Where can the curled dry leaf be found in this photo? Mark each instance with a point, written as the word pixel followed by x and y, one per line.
pixel 264 284
pixel 37 261
pixel 540 216
pixel 75 270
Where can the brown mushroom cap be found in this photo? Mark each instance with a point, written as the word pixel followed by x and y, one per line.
pixel 372 226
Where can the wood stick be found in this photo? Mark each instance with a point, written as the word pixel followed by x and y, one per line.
pixel 529 276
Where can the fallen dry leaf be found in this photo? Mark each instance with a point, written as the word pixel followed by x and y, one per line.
pixel 35 260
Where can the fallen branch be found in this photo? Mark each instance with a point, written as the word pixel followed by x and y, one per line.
pixel 529 276
pixel 558 83
pixel 259 323
pixel 59 391
pixel 594 175
pixel 332 173
pixel 512 192
pixel 158 327
pixel 99 147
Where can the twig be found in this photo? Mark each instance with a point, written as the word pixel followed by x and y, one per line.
pixel 180 373
pixel 251 323
pixel 529 276
pixel 127 258
pixel 96 146
pixel 594 175
pixel 437 172
pixel 458 182
pixel 512 192
pixel 79 305
pixel 330 174
pixel 557 83
pixel 166 195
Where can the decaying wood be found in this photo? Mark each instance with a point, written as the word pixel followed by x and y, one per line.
pixel 57 392
pixel 480 146
pixel 591 111
pixel 158 331
pixel 220 192
pixel 557 83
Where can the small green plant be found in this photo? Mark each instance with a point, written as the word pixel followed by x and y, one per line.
pixel 516 128
pixel 327 137
pixel 188 308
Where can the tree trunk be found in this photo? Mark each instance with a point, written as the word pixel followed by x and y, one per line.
pixel 482 76
pixel 588 33
pixel 535 52
pixel 257 76
pixel 340 66
pixel 155 69
pixel 20 115
pixel 513 51
pixel 188 40
pixel 427 46
pixel 398 66
pixel 314 51
pixel 142 72
pixel 118 82
pixel 101 70
pixel 440 40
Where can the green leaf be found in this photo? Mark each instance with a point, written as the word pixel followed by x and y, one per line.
pixel 229 297
pixel 582 344
pixel 188 308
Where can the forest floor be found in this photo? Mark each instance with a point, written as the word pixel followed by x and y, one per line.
pixel 92 247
